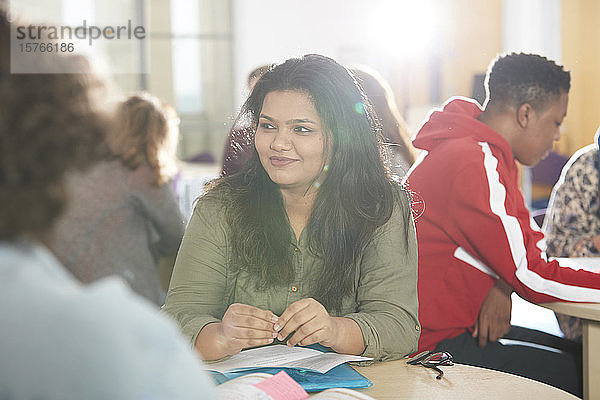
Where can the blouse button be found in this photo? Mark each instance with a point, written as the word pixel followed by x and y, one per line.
pixel 296 249
pixel 417 327
pixel 294 289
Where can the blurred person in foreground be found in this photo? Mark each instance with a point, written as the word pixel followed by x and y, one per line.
pixel 395 131
pixel 477 240
pixel 312 241
pixel 122 216
pixel 62 340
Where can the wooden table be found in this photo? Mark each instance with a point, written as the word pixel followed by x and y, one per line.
pixel 590 315
pixel 398 380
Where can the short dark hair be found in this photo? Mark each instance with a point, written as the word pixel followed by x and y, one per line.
pixel 518 78
pixel 48 125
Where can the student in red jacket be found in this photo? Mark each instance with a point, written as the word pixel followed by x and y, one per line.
pixel 476 237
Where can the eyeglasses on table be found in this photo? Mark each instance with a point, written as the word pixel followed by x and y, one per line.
pixel 433 360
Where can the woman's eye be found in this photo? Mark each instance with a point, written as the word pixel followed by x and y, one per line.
pixel 302 129
pixel 266 125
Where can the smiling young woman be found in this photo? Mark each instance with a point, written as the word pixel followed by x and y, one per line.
pixel 290 140
pixel 312 242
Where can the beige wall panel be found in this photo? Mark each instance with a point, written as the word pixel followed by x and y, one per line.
pixel 473 37
pixel 470 36
pixel 581 55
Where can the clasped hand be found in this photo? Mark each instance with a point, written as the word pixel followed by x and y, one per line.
pixel 306 320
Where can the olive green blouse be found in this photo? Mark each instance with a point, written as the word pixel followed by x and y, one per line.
pixel 383 303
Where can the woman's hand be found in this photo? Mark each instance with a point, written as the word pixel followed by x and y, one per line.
pixel 242 326
pixel 246 326
pixel 311 323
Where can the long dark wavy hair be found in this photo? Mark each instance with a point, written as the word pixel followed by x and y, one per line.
pixel 356 197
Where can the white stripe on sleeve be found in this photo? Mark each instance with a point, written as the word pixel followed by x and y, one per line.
pixel 464 256
pixel 514 234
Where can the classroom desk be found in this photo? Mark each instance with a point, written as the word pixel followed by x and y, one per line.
pixel 590 315
pixel 398 380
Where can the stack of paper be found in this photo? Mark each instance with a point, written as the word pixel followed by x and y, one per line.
pixel 314 370
pixel 281 356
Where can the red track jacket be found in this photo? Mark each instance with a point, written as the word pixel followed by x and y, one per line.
pixel 475 227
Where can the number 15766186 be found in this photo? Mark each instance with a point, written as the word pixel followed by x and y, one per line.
pixel 41 47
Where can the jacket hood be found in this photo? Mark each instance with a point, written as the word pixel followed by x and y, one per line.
pixel 456 119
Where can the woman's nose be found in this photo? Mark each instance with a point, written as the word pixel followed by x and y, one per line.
pixel 282 141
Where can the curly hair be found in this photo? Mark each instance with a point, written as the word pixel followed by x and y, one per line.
pixel 518 78
pixel 356 197
pixel 49 124
pixel 146 133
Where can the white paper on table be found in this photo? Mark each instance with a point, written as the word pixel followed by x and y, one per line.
pixel 281 356
pixel 591 264
pixel 242 388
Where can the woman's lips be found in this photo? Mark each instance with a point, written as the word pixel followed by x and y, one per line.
pixel 281 161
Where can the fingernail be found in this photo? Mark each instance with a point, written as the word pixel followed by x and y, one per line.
pixel 280 337
pixel 274 334
pixel 277 327
pixel 274 318
pixel 270 341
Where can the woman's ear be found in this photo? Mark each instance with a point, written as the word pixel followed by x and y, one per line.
pixel 524 113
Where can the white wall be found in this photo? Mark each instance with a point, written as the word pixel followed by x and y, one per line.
pixel 268 31
pixel 532 26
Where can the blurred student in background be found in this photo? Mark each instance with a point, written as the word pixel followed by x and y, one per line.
pixel 395 131
pixel 239 146
pixel 61 340
pixel 572 221
pixel 123 216
pixel 313 240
